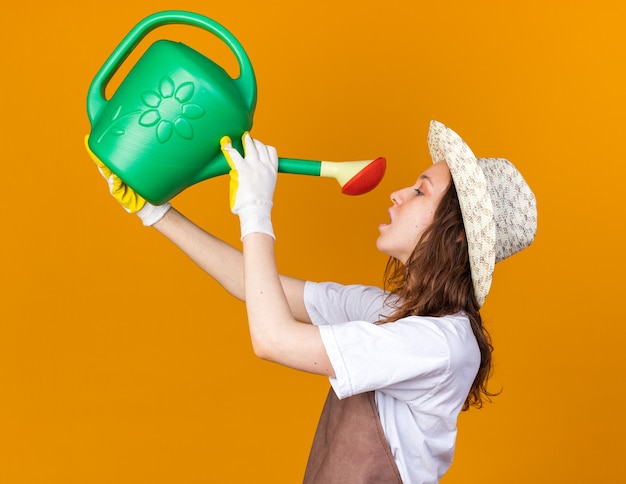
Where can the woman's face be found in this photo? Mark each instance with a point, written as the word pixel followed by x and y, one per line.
pixel 412 212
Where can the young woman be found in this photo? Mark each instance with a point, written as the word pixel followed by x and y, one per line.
pixel 402 361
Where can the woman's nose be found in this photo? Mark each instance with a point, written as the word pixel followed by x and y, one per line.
pixel 396 197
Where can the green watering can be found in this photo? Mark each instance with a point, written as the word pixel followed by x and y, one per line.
pixel 160 130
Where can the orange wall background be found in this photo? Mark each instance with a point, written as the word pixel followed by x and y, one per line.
pixel 121 362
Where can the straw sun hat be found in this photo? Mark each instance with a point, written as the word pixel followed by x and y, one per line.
pixel 498 207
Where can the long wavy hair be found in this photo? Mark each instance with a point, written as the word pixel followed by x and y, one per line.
pixel 436 281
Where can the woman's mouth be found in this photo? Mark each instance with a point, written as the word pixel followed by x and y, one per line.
pixel 386 224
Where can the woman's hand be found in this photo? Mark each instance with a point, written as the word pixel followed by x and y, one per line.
pixel 130 200
pixel 252 184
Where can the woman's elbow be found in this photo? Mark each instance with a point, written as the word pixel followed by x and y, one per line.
pixel 263 348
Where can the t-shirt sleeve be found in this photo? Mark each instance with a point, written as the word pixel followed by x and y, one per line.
pixel 330 303
pixel 406 359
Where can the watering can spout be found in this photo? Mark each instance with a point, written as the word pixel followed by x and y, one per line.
pixel 354 177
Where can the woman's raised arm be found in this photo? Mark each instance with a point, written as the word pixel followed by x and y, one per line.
pixel 221 261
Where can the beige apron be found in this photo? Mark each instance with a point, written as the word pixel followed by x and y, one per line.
pixel 349 445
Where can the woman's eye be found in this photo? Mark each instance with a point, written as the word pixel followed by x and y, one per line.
pixel 418 191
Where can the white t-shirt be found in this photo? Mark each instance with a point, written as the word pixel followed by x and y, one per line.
pixel 421 369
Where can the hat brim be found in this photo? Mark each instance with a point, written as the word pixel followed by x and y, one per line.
pixel 475 201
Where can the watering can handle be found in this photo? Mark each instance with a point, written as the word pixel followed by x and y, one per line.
pixel 246 80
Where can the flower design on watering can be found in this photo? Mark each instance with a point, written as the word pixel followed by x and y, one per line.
pixel 170 110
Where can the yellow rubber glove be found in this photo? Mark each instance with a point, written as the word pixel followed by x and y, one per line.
pixel 130 200
pixel 226 144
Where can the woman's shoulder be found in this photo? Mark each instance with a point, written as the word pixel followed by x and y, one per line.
pixel 451 330
pixel 456 320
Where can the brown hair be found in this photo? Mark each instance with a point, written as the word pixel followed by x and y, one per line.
pixel 436 281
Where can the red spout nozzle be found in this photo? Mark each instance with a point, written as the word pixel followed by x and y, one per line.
pixel 367 179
